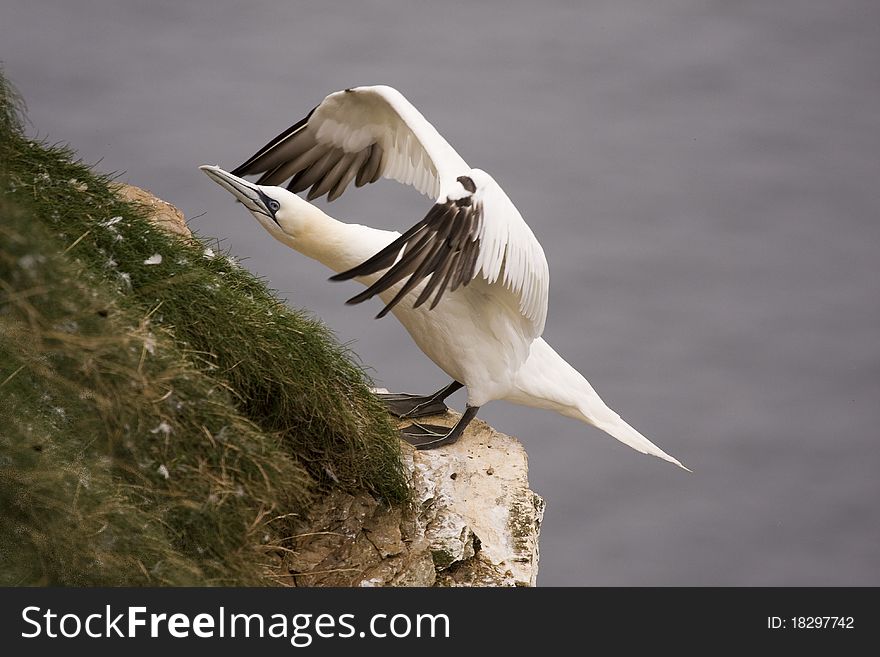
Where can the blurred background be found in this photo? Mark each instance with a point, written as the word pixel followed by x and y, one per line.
pixel 705 180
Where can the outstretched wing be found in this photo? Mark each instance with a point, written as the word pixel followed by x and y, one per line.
pixel 359 134
pixel 474 231
pixel 366 133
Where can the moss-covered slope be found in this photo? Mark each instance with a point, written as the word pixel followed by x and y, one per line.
pixel 164 419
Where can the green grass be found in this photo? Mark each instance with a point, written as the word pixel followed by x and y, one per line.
pixel 159 424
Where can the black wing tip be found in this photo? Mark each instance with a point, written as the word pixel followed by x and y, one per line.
pixel 359 270
pixel 358 298
pixel 242 170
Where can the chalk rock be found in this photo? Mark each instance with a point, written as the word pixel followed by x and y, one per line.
pixel 475 522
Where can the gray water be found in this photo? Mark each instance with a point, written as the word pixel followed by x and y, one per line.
pixel 704 177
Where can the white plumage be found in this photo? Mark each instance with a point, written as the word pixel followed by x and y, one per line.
pixel 473 253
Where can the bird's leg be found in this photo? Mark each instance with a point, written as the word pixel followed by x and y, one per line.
pixel 429 436
pixel 405 405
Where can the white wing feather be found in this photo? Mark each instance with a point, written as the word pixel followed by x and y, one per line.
pixel 415 153
pixel 510 252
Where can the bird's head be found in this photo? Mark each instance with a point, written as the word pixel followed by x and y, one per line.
pixel 278 210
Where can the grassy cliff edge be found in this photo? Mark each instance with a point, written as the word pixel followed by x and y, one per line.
pixel 164 419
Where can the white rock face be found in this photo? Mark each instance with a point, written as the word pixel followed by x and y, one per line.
pixel 481 519
pixel 475 523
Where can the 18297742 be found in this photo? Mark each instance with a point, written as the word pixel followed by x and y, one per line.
pixel 811 623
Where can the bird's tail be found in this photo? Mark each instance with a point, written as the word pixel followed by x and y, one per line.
pixel 546 380
pixel 614 425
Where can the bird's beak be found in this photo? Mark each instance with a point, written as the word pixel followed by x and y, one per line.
pixel 249 194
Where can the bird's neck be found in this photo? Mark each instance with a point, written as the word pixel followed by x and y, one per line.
pixel 336 244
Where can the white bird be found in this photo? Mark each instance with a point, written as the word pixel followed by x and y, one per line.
pixel 472 256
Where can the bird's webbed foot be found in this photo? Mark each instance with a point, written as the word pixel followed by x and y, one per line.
pixel 403 404
pixel 406 405
pixel 431 436
pixel 427 436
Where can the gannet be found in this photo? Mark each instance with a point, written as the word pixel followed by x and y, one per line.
pixel 469 282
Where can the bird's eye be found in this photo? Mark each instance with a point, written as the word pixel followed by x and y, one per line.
pixel 274 206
